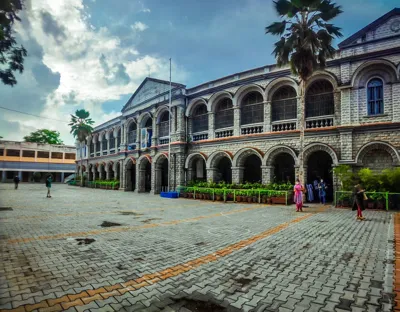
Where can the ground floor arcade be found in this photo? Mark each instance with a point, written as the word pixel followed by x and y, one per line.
pixel 8 176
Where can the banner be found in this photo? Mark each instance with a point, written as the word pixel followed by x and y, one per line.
pixel 143 138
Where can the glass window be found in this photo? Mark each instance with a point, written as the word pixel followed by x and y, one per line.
pixel 56 155
pixel 28 154
pixel 252 108
pixel 70 155
pixel 224 114
pixel 13 153
pixel 284 104
pixel 375 97
pixel 43 154
pixel 163 125
pixel 200 118
pixel 112 140
pixel 319 99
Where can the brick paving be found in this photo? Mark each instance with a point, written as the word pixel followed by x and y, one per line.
pixel 169 254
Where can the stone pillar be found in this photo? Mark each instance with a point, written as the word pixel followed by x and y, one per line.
pixel 154 140
pixel 346 145
pixel 20 175
pixel 345 107
pixel 181 134
pixel 174 113
pixel 211 129
pixel 237 174
pixel 396 101
pixel 267 117
pixel 108 146
pixel 3 176
pixel 156 182
pixel 211 174
pixel 178 176
pixel 62 177
pixel 236 121
pixel 140 181
pixel 266 174
pixel 107 173
pixel 121 176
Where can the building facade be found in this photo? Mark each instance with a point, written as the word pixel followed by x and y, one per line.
pixel 245 127
pixel 24 159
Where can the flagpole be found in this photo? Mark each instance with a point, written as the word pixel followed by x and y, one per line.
pixel 169 125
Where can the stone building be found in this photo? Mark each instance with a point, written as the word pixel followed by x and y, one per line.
pixel 244 127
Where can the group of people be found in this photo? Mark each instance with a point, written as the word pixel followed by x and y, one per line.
pixel 359 197
pixel 299 190
pixel 49 180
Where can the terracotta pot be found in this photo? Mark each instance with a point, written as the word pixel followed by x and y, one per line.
pixel 371 205
pixel 218 197
pixel 238 198
pixel 249 199
pixel 255 199
pixel 380 205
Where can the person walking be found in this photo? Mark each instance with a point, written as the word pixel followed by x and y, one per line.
pixel 322 192
pixel 298 196
pixel 48 185
pixel 358 201
pixel 16 181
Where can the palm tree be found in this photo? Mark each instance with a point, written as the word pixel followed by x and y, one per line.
pixel 305 44
pixel 81 128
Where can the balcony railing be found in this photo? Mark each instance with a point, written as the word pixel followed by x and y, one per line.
pixel 223 133
pixel 163 141
pixel 132 136
pixel 319 122
pixel 251 129
pixel 199 136
pixel 105 152
pixel 97 153
pixel 286 125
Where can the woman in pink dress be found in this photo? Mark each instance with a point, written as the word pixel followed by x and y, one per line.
pixel 298 196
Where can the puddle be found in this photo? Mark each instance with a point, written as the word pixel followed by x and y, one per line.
pixel 149 220
pixel 130 213
pixel 138 259
pixel 201 244
pixel 244 281
pixel 6 209
pixel 109 224
pixel 86 241
pixel 200 306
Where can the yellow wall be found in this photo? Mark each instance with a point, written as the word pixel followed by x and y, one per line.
pixel 40 160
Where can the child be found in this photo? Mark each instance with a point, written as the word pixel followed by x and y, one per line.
pixel 48 185
pixel 298 196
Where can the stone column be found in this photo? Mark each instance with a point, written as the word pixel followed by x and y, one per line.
pixel 156 184
pixel 20 175
pixel 178 170
pixel 396 101
pixel 346 145
pixel 237 174
pixel 3 176
pixel 236 121
pixel 211 129
pixel 62 177
pixel 121 176
pixel 266 174
pixel 267 117
pixel 181 125
pixel 107 173
pixel 108 146
pixel 154 140
pixel 345 107
pixel 141 176
pixel 211 174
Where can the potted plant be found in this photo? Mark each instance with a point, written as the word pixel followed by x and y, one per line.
pixel 219 194
pixel 238 196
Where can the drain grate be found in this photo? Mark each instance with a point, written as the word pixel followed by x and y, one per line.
pixel 86 241
pixel 5 209
pixel 200 306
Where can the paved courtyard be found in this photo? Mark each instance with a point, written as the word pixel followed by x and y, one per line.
pixel 99 250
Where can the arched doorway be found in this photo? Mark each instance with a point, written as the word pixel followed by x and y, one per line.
pixel 252 169
pixel 199 172
pixel 161 175
pixel 147 184
pixel 319 165
pixel 284 168
pixel 130 175
pixel 102 172
pixel 144 176
pixel 90 175
pixel 110 171
pixel 224 170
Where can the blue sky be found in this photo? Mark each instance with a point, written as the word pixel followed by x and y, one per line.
pixel 90 54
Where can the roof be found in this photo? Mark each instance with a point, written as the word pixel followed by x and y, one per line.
pixel 373 25
pixel 174 84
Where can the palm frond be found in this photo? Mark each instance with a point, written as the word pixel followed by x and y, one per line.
pixel 283 7
pixel 277 28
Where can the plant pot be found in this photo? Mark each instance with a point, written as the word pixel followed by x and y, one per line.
pixel 218 197
pixel 370 205
pixel 346 203
pixel 380 205
pixel 264 199
pixel 249 199
pixel 269 200
pixel 238 199
pixel 280 200
pixel 255 199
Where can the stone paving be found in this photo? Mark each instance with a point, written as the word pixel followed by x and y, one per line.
pixel 178 255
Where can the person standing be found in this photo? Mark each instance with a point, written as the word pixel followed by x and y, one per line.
pixel 48 185
pixel 322 192
pixel 358 201
pixel 16 181
pixel 298 196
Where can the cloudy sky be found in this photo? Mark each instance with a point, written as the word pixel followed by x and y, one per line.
pixel 93 54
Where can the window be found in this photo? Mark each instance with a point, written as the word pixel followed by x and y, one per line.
pixel 43 154
pixel 91 147
pixel 375 97
pixel 252 109
pixel 112 140
pixel 319 99
pixel 200 118
pixel 163 129
pixel 13 153
pixel 28 154
pixel 1 152
pixel 284 104
pixel 70 155
pixel 55 155
pixel 104 143
pixel 224 114
pixel 119 138
pixel 131 133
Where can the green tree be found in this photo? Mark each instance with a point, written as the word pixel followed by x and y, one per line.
pixel 44 136
pixel 305 44
pixel 81 128
pixel 11 55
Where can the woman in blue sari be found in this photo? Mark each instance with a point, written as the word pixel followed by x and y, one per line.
pixel 322 191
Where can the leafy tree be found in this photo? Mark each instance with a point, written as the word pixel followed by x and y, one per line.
pixel 81 127
pixel 44 136
pixel 305 44
pixel 11 55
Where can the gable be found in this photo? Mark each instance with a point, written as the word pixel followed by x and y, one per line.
pixel 386 26
pixel 150 88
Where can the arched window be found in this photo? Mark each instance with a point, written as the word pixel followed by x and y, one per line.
pixel 119 138
pixel 112 140
pixel 98 146
pixel 375 97
pixel 200 118
pixel 163 126
pixel 91 148
pixel 224 114
pixel 252 109
pixel 132 133
pixel 319 99
pixel 284 104
pixel 104 144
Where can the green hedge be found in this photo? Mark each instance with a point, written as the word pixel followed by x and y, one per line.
pixel 244 186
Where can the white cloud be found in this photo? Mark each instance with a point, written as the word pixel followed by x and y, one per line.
pixel 92 65
pixel 139 26
pixel 145 10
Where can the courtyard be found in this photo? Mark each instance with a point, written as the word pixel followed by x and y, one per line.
pixel 102 250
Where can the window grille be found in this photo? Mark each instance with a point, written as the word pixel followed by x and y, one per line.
pixel 112 140
pixel 104 143
pixel 132 133
pixel 252 109
pixel 319 99
pixel 284 104
pixel 224 114
pixel 119 138
pixel 375 97
pixel 200 119
pixel 163 127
